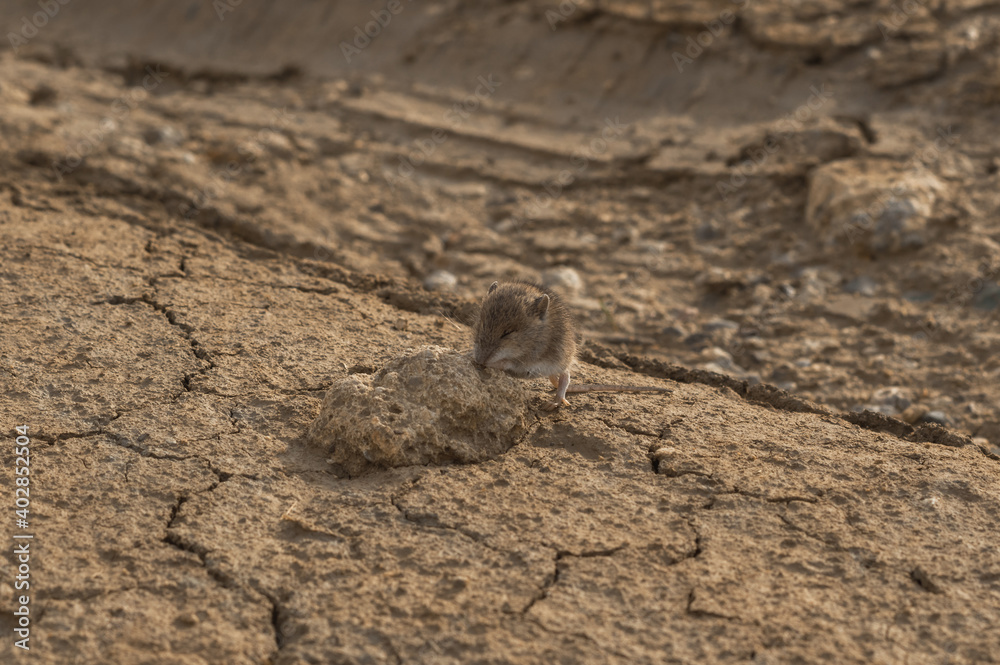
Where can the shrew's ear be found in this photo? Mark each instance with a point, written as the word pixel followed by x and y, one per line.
pixel 541 305
pixel 493 287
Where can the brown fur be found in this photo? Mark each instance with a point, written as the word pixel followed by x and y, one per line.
pixel 525 330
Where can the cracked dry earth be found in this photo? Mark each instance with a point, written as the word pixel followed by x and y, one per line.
pixel 168 374
pixel 169 342
pixel 180 519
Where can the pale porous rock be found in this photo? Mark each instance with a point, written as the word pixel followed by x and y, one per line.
pixel 433 406
pixel 879 205
pixel 563 279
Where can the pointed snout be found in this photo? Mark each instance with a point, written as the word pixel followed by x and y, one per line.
pixel 480 356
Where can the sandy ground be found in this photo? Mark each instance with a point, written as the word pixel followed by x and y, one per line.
pixel 211 213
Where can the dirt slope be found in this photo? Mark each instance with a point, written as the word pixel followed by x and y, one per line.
pixel 205 222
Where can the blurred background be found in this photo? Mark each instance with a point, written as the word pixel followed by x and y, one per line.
pixel 799 193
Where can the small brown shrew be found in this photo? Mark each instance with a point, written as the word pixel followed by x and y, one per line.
pixel 527 331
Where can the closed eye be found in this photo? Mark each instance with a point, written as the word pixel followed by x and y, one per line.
pixel 509 332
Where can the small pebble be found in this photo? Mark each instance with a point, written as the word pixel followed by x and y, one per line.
pixel 167 135
pixel 988 297
pixel 810 283
pixel 784 372
pixel 720 324
pixel 673 332
pixel 914 413
pixel 875 408
pixel 913 240
pixel 863 286
pixel 563 279
pixel 918 296
pixel 625 235
pixel 707 231
pixel 936 417
pixel 787 260
pixel 715 367
pixel 440 280
pixel 188 619
pixel 715 354
pixel 893 397
pixel 508 225
pixel 698 340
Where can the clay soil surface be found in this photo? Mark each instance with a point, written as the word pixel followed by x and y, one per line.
pixel 785 213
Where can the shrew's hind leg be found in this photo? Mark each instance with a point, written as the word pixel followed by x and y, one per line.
pixel 561 383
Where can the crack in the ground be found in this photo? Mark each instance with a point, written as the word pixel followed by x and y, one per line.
pixel 768 395
pixel 553 579
pixel 66 436
pixel 924 581
pixel 91 594
pixel 225 581
pixel 78 257
pixel 279 637
pixel 671 471
pixel 630 429
pixel 432 522
pixel 550 581
pixel 697 550
pixel 393 651
pixel 736 491
pixel 324 291
pixel 52 439
pixel 795 527
pixel 186 330
pixel 866 558
pixel 790 498
pixel 211 221
pixel 174 539
pixel 704 613
pixel 543 594
pixel 588 554
pixel 279 620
